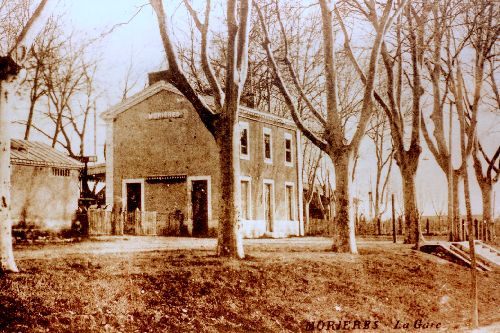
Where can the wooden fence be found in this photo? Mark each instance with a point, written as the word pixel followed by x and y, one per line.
pixel 100 222
pixel 429 227
pixel 103 222
pixel 373 228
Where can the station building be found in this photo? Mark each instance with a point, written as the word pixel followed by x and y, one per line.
pixel 161 158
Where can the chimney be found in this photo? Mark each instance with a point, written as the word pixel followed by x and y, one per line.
pixel 248 94
pixel 154 77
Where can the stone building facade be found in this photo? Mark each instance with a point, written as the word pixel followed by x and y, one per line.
pixel 45 186
pixel 160 157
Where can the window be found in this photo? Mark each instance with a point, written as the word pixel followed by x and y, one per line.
pixel 246 198
pixel 244 141
pixel 288 149
pixel 268 153
pixel 60 172
pixel 289 201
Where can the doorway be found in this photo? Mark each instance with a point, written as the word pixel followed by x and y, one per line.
pixel 134 196
pixel 200 206
pixel 133 203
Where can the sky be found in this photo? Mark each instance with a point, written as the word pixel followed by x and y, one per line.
pixel 135 42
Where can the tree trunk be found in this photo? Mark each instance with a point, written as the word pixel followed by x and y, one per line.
pixel 7 262
pixel 472 249
pixel 230 243
pixel 344 238
pixel 457 223
pixel 487 218
pixel 307 220
pixel 455 227
pixel 29 121
pixel 412 221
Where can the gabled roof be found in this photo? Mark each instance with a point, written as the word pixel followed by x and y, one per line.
pixel 25 152
pixel 162 85
pixel 135 99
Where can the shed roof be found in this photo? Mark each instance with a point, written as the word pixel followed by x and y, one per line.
pixel 25 152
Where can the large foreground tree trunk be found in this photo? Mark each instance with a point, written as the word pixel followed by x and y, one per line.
pixel 333 141
pixel 221 120
pixel 486 190
pixel 412 218
pixel 230 242
pixel 10 65
pixel 344 238
pixel 6 252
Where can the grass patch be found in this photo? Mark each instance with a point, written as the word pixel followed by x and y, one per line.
pixel 273 290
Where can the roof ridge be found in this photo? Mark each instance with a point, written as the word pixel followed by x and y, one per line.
pixel 161 85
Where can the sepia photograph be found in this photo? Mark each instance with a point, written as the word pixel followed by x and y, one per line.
pixel 249 166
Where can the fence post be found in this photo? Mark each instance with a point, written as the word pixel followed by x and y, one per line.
pixel 121 220
pixel 394 239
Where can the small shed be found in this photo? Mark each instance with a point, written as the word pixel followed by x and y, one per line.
pixel 45 186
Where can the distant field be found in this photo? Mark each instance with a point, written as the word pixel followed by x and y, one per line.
pixel 283 286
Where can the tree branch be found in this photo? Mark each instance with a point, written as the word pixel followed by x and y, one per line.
pixel 321 144
pixel 175 74
pixel 205 62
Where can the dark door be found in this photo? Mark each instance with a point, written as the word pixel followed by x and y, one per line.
pixel 133 196
pixel 199 203
pixel 133 204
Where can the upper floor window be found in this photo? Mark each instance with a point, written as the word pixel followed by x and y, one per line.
pixel 244 141
pixel 288 149
pixel 268 153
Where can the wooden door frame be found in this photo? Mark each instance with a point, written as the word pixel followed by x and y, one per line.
pixel 124 191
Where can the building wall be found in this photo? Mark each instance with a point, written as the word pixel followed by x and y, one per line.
pixel 143 147
pixel 278 172
pixel 42 199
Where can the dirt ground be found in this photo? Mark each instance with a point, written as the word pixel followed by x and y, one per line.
pixel 160 284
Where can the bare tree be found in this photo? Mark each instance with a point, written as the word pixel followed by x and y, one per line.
pixel 384 160
pixel 14 16
pixel 10 64
pixel 406 155
pixel 221 120
pixel 311 162
pixel 130 81
pixel 64 83
pixel 44 51
pixel 482 31
pixel 333 141
pixel 486 180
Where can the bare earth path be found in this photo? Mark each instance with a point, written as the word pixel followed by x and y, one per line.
pixel 129 244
